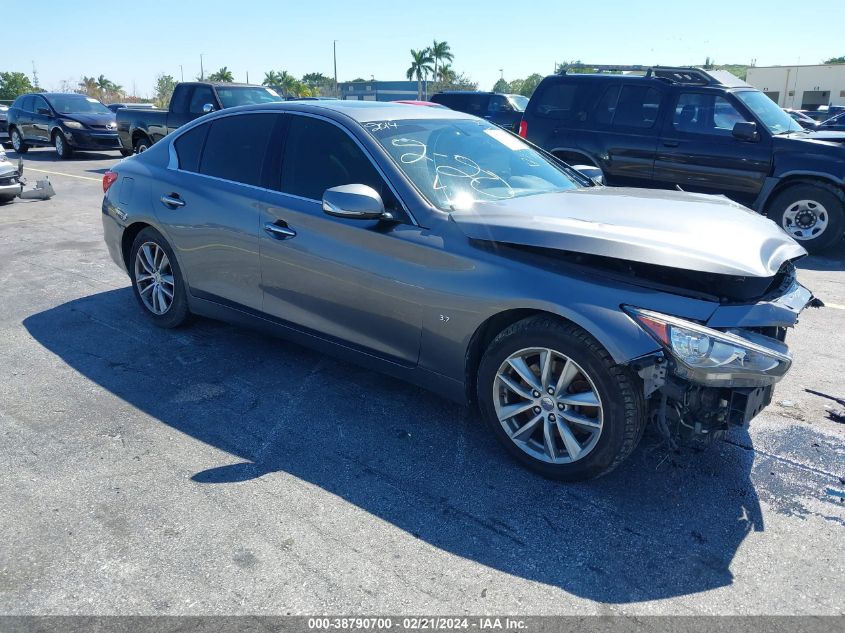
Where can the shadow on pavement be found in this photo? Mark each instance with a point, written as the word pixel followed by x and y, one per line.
pixel 832 258
pixel 659 526
pixel 48 155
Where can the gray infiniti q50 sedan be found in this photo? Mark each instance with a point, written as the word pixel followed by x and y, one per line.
pixel 439 248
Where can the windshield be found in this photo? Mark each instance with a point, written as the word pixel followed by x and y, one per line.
pixel 519 102
pixel 770 113
pixel 247 95
pixel 77 104
pixel 456 163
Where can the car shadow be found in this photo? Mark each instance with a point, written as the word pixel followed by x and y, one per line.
pixel 661 525
pixel 832 258
pixel 48 155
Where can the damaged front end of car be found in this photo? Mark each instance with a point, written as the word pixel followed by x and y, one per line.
pixel 714 375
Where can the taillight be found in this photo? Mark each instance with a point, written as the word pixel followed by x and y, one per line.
pixel 109 179
pixel 523 128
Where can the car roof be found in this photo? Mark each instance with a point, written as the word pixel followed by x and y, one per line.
pixel 360 111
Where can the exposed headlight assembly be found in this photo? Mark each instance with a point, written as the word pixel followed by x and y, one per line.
pixel 73 125
pixel 735 358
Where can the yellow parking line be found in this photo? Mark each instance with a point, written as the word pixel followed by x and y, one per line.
pixel 59 173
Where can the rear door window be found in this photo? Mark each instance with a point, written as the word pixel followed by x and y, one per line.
pixel 637 107
pixel 179 100
pixel 236 146
pixel 319 155
pixel 27 104
pixel 189 147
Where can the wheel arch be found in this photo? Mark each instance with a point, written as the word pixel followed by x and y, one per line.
pixel 798 178
pixel 139 133
pixel 128 238
pixel 490 328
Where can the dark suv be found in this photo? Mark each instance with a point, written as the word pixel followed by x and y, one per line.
pixel 68 122
pixel 502 109
pixel 701 131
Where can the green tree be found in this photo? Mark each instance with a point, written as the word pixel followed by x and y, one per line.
pixel 271 78
pixel 440 52
pixel 224 74
pixel 164 86
pixel 420 67
pixel 501 86
pixel 527 86
pixel 13 85
pixel 835 60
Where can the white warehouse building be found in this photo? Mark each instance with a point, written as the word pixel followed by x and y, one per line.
pixel 801 87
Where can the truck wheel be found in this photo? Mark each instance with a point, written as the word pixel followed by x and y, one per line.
pixel 556 400
pixel 142 145
pixel 812 214
pixel 63 148
pixel 17 141
pixel 126 152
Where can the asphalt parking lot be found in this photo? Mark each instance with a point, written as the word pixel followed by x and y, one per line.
pixel 213 470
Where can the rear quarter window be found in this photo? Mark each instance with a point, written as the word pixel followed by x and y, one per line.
pixel 189 148
pixel 562 100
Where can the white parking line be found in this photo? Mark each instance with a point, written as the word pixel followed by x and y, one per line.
pixel 59 173
pixel 835 306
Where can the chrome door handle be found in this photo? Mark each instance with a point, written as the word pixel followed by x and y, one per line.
pixel 172 200
pixel 279 232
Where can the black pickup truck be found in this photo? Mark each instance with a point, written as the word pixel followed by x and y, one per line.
pixel 703 131
pixel 139 129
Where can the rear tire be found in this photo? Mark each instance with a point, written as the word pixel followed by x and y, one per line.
pixel 142 144
pixel 17 141
pixel 126 152
pixel 813 214
pixel 605 434
pixel 63 148
pixel 157 281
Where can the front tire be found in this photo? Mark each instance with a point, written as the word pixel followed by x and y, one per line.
pixel 126 152
pixel 812 214
pixel 556 400
pixel 63 148
pixel 17 141
pixel 157 280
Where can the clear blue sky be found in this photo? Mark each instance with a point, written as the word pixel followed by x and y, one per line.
pixel 70 39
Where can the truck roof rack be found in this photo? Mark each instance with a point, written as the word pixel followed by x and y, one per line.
pixel 672 74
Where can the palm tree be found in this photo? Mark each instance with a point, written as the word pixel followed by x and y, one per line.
pixel 271 78
pixel 445 75
pixel 440 52
pixel 89 86
pixel 420 67
pixel 224 74
pixel 287 83
pixel 104 86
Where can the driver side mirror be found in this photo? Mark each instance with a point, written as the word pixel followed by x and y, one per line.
pixel 354 202
pixel 745 131
pixel 207 107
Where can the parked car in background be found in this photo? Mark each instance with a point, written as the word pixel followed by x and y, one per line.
pixel 4 125
pixel 702 131
pixel 802 119
pixel 429 104
pixel 834 124
pixel 505 110
pixel 10 182
pixel 139 129
pixel 437 247
pixel 67 121
pixel 114 107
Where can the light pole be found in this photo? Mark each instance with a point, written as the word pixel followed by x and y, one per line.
pixel 202 72
pixel 334 56
pixel 181 72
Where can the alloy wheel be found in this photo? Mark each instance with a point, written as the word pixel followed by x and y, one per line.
pixel 16 141
pixel 548 405
pixel 60 145
pixel 154 278
pixel 805 219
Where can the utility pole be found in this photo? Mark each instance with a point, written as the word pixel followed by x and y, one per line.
pixel 247 76
pixel 202 72
pixel 34 75
pixel 334 55
pixel 181 72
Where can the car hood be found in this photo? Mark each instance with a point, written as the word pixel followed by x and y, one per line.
pixel 667 228
pixel 830 136
pixel 92 119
